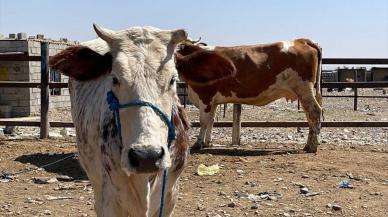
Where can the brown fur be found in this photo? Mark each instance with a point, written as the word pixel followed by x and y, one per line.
pixel 181 145
pixel 196 65
pixel 256 68
pixel 81 63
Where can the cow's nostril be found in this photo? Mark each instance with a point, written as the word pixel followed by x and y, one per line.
pixel 145 160
pixel 133 158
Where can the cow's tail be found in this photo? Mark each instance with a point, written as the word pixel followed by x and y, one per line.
pixel 318 94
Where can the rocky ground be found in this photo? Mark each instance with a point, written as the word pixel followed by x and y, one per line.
pixel 335 109
pixel 264 177
pixel 250 182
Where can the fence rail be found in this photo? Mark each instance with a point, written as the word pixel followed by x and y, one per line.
pixel 45 85
pixel 223 124
pixel 377 84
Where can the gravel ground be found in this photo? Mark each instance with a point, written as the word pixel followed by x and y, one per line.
pixel 250 182
pixel 265 176
pixel 335 109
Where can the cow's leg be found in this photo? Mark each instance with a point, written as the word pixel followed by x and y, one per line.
pixel 98 207
pixel 313 113
pixel 204 119
pixel 110 203
pixel 209 127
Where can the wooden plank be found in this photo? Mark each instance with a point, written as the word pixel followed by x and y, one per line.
pixel 324 85
pixel 355 99
pixel 252 124
pixel 35 123
pixel 19 84
pixel 355 61
pixel 44 91
pixel 58 85
pixel 347 96
pixel 23 84
pixel 61 124
pixel 20 123
pixel 280 124
pixel 354 84
pixel 18 56
pixel 236 130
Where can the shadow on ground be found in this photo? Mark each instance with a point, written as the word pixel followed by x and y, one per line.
pixel 69 167
pixel 245 152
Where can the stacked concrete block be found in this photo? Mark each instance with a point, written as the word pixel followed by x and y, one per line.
pixel 15 98
pixel 26 101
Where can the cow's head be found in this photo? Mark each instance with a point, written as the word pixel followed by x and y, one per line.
pixel 139 66
pixel 199 66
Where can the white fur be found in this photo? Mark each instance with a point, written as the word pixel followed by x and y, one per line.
pixel 281 88
pixel 208 47
pixel 286 46
pixel 144 66
pixel 283 83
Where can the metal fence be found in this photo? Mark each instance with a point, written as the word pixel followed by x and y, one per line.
pixel 45 86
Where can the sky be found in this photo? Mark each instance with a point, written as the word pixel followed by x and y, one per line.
pixel 343 28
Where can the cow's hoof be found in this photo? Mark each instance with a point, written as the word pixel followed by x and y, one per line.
pixel 198 145
pixel 310 149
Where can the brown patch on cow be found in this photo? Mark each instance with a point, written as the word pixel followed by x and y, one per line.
pixel 257 67
pixel 181 146
pixel 81 63
pixel 199 66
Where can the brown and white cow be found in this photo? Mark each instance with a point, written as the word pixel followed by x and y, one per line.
pixel 255 75
pixel 136 64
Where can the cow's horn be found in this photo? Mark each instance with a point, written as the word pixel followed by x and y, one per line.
pixel 195 42
pixel 189 41
pixel 106 34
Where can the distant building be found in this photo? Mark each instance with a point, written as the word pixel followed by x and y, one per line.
pixel 329 76
pixel 19 102
pixel 352 74
pixel 379 74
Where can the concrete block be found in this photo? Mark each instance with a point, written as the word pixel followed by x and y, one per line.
pixel 5 44
pixel 40 36
pixel 22 36
pixel 12 36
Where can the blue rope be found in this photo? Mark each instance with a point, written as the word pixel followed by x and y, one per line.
pixel 163 195
pixel 115 106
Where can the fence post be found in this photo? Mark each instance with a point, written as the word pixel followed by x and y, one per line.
pixel 298 105
pixel 355 98
pixel 184 96
pixel 44 90
pixel 236 124
pixel 225 108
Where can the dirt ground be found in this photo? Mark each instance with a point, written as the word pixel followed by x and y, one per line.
pixel 281 172
pixel 267 162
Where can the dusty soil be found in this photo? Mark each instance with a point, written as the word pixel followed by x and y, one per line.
pixel 243 172
pixel 267 161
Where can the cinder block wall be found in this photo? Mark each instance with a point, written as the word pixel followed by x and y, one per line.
pixel 17 98
pixel 26 101
pixel 56 101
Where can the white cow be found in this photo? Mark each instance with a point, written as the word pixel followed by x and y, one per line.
pixel 136 64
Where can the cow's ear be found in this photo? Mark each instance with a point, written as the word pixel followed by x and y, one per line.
pixel 81 63
pixel 203 67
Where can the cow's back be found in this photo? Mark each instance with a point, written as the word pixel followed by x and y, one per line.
pixel 258 67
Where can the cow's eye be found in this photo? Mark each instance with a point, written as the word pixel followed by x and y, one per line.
pixel 115 81
pixel 173 80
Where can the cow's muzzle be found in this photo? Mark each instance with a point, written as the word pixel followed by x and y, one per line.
pixel 145 161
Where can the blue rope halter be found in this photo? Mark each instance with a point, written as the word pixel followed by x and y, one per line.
pixel 115 106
